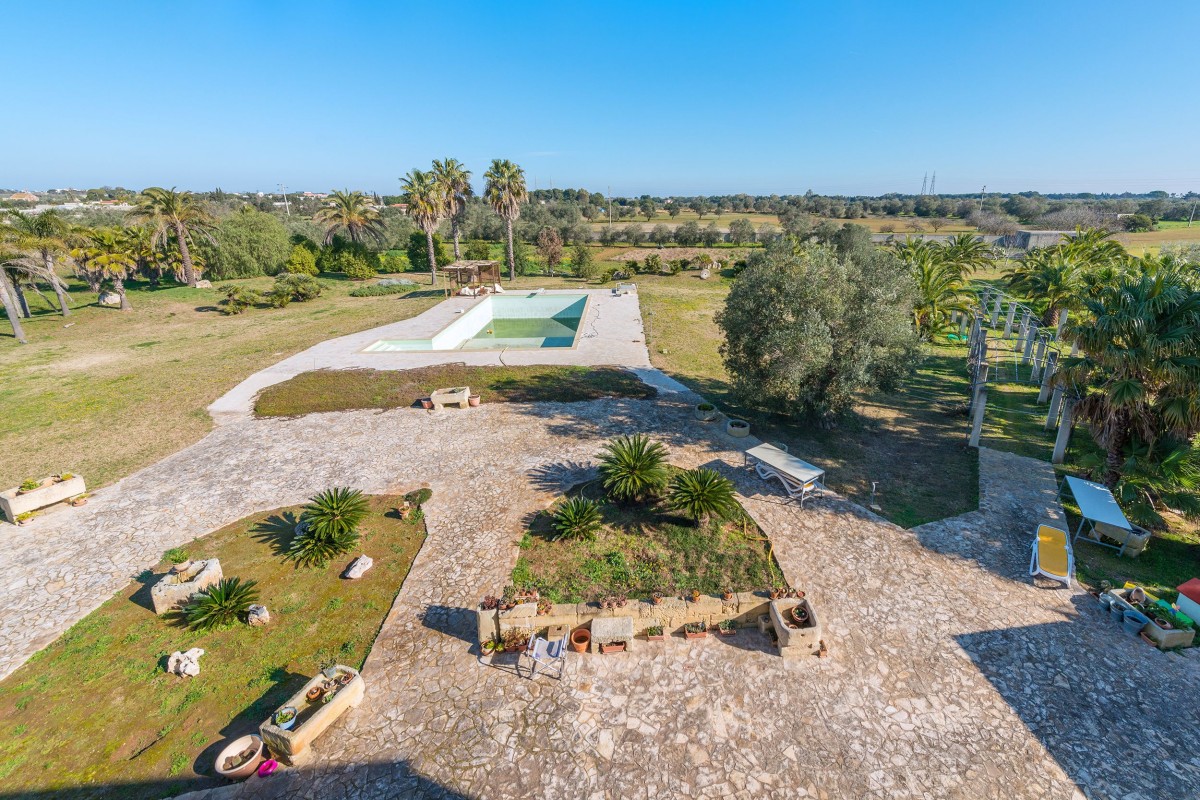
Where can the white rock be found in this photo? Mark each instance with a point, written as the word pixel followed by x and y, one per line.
pixel 110 299
pixel 258 615
pixel 358 567
pixel 185 663
pixel 203 284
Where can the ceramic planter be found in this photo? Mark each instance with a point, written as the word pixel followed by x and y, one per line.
pixel 706 412
pixel 246 768
pixel 580 639
pixel 737 428
pixel 615 647
pixel 473 401
pixel 700 635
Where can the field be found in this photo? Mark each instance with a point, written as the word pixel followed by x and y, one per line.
pixel 1169 232
pixel 900 225
pixel 97 707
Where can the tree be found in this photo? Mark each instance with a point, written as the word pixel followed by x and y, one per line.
pixel 1051 281
pixel 937 223
pixel 688 234
pixel 505 192
pixel 107 253
pixel 583 263
pixel 478 250
pixel 8 293
pixel 47 235
pixel 646 206
pixel 941 284
pixel 454 181
pixel 741 231
pixel 301 261
pixel 807 332
pixel 249 243
pixel 180 213
pixel 711 235
pixel 661 234
pixel 674 208
pixel 550 247
pixel 700 206
pixel 418 251
pixel 351 212
pixel 426 204
pixel 1139 362
pixel 634 234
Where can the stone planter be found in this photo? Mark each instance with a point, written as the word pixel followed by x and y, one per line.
pixel 13 502
pixel 613 647
pixel 182 583
pixel 737 428
pixel 1167 638
pixel 795 639
pixel 456 396
pixel 706 412
pixel 245 769
pixel 292 746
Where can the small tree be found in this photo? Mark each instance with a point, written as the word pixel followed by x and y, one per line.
pixel 688 234
pixel 646 206
pixel 937 223
pixel 302 261
pixel 550 247
pixel 583 263
pixel 418 251
pixel 741 231
pixel 478 250
pixel 711 235
pixel 634 234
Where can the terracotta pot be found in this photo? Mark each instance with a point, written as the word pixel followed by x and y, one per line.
pixel 580 639
pixel 246 769
pixel 314 694
pixel 729 632
pixel 426 404
pixel 695 597
pixel 700 635
pixel 727 596
pixel 659 638
pixel 473 401
pixel 615 647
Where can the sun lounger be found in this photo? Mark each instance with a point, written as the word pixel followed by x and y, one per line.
pixel 1052 555
pixel 798 478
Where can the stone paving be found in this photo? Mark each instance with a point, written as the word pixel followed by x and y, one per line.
pixel 951 674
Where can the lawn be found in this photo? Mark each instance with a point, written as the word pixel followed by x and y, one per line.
pixel 104 393
pixel 96 707
pixel 343 390
pixel 643 548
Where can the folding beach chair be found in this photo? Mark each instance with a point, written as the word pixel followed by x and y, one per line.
pixel 1052 556
pixel 550 654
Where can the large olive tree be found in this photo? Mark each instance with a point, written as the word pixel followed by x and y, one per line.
pixel 806 330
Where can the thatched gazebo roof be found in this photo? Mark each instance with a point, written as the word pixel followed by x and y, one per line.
pixel 467 272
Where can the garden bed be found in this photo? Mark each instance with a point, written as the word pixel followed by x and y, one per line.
pixel 643 548
pixel 345 390
pixel 96 707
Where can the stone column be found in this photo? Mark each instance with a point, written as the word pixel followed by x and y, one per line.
pixel 1055 402
pixel 1064 432
pixel 1038 360
pixel 1048 377
pixel 962 324
pixel 1030 337
pixel 1008 322
pixel 978 405
pixel 1062 324
pixel 996 311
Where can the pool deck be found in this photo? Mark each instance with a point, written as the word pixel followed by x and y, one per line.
pixel 610 334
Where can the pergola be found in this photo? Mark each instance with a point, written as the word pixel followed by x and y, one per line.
pixel 473 273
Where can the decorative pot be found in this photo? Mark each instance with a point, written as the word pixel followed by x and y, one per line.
pixel 737 428
pixel 706 412
pixel 727 596
pixel 426 403
pixel 473 401
pixel 580 639
pixel 614 647
pixel 233 749
pixel 799 615
pixel 659 638
pixel 314 694
pixel 700 635
pixel 287 726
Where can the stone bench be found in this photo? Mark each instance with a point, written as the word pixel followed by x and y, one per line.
pixel 606 630
pixel 459 395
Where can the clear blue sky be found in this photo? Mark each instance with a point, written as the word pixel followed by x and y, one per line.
pixel 690 97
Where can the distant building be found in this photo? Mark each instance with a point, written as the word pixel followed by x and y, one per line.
pixel 24 197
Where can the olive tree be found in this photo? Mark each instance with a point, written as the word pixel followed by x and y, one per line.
pixel 806 330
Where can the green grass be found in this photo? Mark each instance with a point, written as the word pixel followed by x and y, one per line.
pixel 644 548
pixel 96 707
pixel 343 390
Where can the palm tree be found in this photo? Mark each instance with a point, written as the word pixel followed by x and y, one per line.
pixel 353 212
pixel 12 258
pixel 941 284
pixel 1139 365
pixel 1051 280
pixel 109 255
pixel 967 251
pixel 505 192
pixel 179 213
pixel 426 204
pixel 47 234
pixel 454 180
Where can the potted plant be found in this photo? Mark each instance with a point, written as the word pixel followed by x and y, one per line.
pixel 544 607
pixel 727 595
pixel 706 412
pixel 473 400
pixel 657 597
pixel 314 694
pixel 776 592
pixel 426 403
pixel 799 614
pixel 612 647
pixel 489 603
pixel 695 630
pixel 29 485
pixel 580 639
pixel 655 633
pixel 515 639
pixel 695 595
pixel 25 519
pixel 285 717
pixel 725 627
pixel 79 500
pixel 737 428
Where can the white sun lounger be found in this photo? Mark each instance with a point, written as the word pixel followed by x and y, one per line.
pixel 798 477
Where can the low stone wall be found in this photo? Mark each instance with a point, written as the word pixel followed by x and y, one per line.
pixel 671 614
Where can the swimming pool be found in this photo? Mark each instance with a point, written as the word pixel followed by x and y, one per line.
pixel 498 322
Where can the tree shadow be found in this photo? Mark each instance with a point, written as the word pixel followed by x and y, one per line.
pixel 559 476
pixel 276 531
pixel 451 621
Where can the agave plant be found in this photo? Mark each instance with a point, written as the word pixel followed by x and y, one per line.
pixel 577 518
pixel 633 467
pixel 700 493
pixel 220 605
pixel 328 526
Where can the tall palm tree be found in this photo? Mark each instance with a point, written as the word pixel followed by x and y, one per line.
pixel 47 234
pixel 1051 280
pixel 180 213
pixel 1093 247
pixel 9 259
pixel 352 212
pixel 426 204
pixel 1140 363
pixel 108 253
pixel 454 180
pixel 968 252
pixel 941 284
pixel 505 193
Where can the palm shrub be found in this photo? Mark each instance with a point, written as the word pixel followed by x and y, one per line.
pixel 577 518
pixel 633 467
pixel 237 299
pixel 219 605
pixel 328 526
pixel 701 493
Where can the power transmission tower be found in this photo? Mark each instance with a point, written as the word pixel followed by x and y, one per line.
pixel 933 183
pixel 981 191
pixel 924 182
pixel 1192 216
pixel 286 207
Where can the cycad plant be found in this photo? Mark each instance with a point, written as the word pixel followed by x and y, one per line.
pixel 577 518
pixel 220 605
pixel 701 493
pixel 328 526
pixel 633 468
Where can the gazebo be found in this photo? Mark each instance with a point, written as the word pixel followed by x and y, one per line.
pixel 478 277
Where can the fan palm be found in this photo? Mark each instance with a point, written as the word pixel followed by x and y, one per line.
pixel 426 204
pixel 454 180
pixel 941 284
pixel 175 213
pixel 47 234
pixel 967 251
pixel 1140 364
pixel 633 467
pixel 351 212
pixel 108 254
pixel 505 192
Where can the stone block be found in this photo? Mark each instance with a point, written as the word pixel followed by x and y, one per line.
pixel 520 610
pixel 13 502
pixel 606 630
pixel 487 624
pixel 182 583
pixel 292 746
pixel 751 606
pixel 795 640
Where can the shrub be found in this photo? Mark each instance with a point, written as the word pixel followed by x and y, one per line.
pixel 382 288
pixel 654 263
pixel 218 606
pixel 419 497
pixel 237 299
pixel 583 262
pixel 300 288
pixel 302 261
pixel 393 261
pixel 355 267
pixel 477 250
pixel 633 467
pixel 328 526
pixel 418 251
pixel 29 484
pixel 700 493
pixel 577 518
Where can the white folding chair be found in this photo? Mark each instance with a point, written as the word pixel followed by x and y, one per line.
pixel 551 655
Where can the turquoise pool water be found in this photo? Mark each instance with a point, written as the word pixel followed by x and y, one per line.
pixel 499 322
